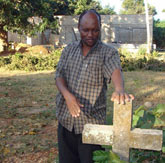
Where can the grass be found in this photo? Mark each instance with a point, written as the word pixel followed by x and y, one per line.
pixel 27 111
pixel 27 115
pixel 146 86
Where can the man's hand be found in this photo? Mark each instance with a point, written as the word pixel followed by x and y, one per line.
pixel 73 105
pixel 121 97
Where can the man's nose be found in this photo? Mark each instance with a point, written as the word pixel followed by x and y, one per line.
pixel 90 33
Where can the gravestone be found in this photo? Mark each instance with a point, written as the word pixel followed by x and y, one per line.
pixel 121 136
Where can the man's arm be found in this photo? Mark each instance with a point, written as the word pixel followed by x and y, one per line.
pixel 72 103
pixel 119 94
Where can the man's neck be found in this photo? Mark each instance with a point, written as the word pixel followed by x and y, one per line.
pixel 85 49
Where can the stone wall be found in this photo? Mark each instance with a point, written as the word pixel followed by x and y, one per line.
pixel 15 37
pixel 39 39
pixel 123 29
pixel 117 29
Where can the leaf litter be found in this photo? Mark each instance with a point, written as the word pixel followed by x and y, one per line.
pixel 27 118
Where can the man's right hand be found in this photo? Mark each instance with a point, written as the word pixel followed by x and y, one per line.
pixel 73 105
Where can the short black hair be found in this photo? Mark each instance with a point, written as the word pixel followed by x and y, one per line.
pixel 89 11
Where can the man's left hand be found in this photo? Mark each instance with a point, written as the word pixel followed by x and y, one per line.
pixel 121 97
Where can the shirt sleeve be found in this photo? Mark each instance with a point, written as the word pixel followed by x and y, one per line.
pixel 61 66
pixel 111 62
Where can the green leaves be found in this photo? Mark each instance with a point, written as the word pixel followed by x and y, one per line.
pixel 135 7
pixel 114 158
pixel 149 118
pixel 101 156
pixel 106 157
pixel 29 62
pixel 15 15
pixel 159 112
pixel 159 34
pixel 160 108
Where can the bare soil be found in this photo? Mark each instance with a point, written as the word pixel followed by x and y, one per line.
pixel 26 49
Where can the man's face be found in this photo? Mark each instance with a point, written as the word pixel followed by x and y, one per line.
pixel 89 29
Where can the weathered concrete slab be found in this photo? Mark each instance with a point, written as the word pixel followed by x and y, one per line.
pixel 98 134
pixel 149 139
pixel 122 117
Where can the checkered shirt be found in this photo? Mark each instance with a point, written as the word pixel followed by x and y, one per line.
pixel 86 78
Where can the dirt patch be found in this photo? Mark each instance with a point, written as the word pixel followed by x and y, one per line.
pixel 38 49
pixel 39 157
pixel 36 111
pixel 27 49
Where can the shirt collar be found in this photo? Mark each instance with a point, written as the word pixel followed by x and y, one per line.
pixel 96 44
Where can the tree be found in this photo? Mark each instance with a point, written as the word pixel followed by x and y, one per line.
pixel 29 16
pixel 148 27
pixel 139 7
pixel 79 6
pixel 20 16
pixel 159 34
pixel 107 10
pixel 136 7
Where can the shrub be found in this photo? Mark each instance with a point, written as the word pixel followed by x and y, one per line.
pixel 141 61
pixel 155 53
pixel 159 34
pixel 31 63
pixel 125 52
pixel 155 65
pixel 4 61
pixel 142 51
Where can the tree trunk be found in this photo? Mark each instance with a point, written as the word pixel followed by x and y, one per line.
pixel 3 39
pixel 148 28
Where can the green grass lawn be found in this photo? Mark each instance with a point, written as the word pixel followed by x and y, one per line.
pixel 27 111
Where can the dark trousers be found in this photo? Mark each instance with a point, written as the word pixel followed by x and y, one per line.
pixel 71 149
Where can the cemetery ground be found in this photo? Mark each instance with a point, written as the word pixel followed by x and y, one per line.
pixel 27 111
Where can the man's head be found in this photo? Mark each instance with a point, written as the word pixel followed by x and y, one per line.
pixel 89 27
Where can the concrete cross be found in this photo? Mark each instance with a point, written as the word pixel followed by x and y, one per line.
pixel 121 136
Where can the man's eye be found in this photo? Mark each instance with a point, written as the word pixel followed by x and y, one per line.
pixel 85 30
pixel 96 31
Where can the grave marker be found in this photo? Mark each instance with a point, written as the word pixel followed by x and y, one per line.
pixel 121 136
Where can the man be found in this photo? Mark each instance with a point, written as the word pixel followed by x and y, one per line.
pixel 82 74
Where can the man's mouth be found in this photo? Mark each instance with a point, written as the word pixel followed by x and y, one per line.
pixel 90 40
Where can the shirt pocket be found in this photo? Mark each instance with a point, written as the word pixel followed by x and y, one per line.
pixel 94 74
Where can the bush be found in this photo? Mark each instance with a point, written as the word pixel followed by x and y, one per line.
pixel 155 53
pixel 4 61
pixel 125 52
pixel 155 65
pixel 159 34
pixel 28 62
pixel 142 51
pixel 141 61
pixel 31 63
